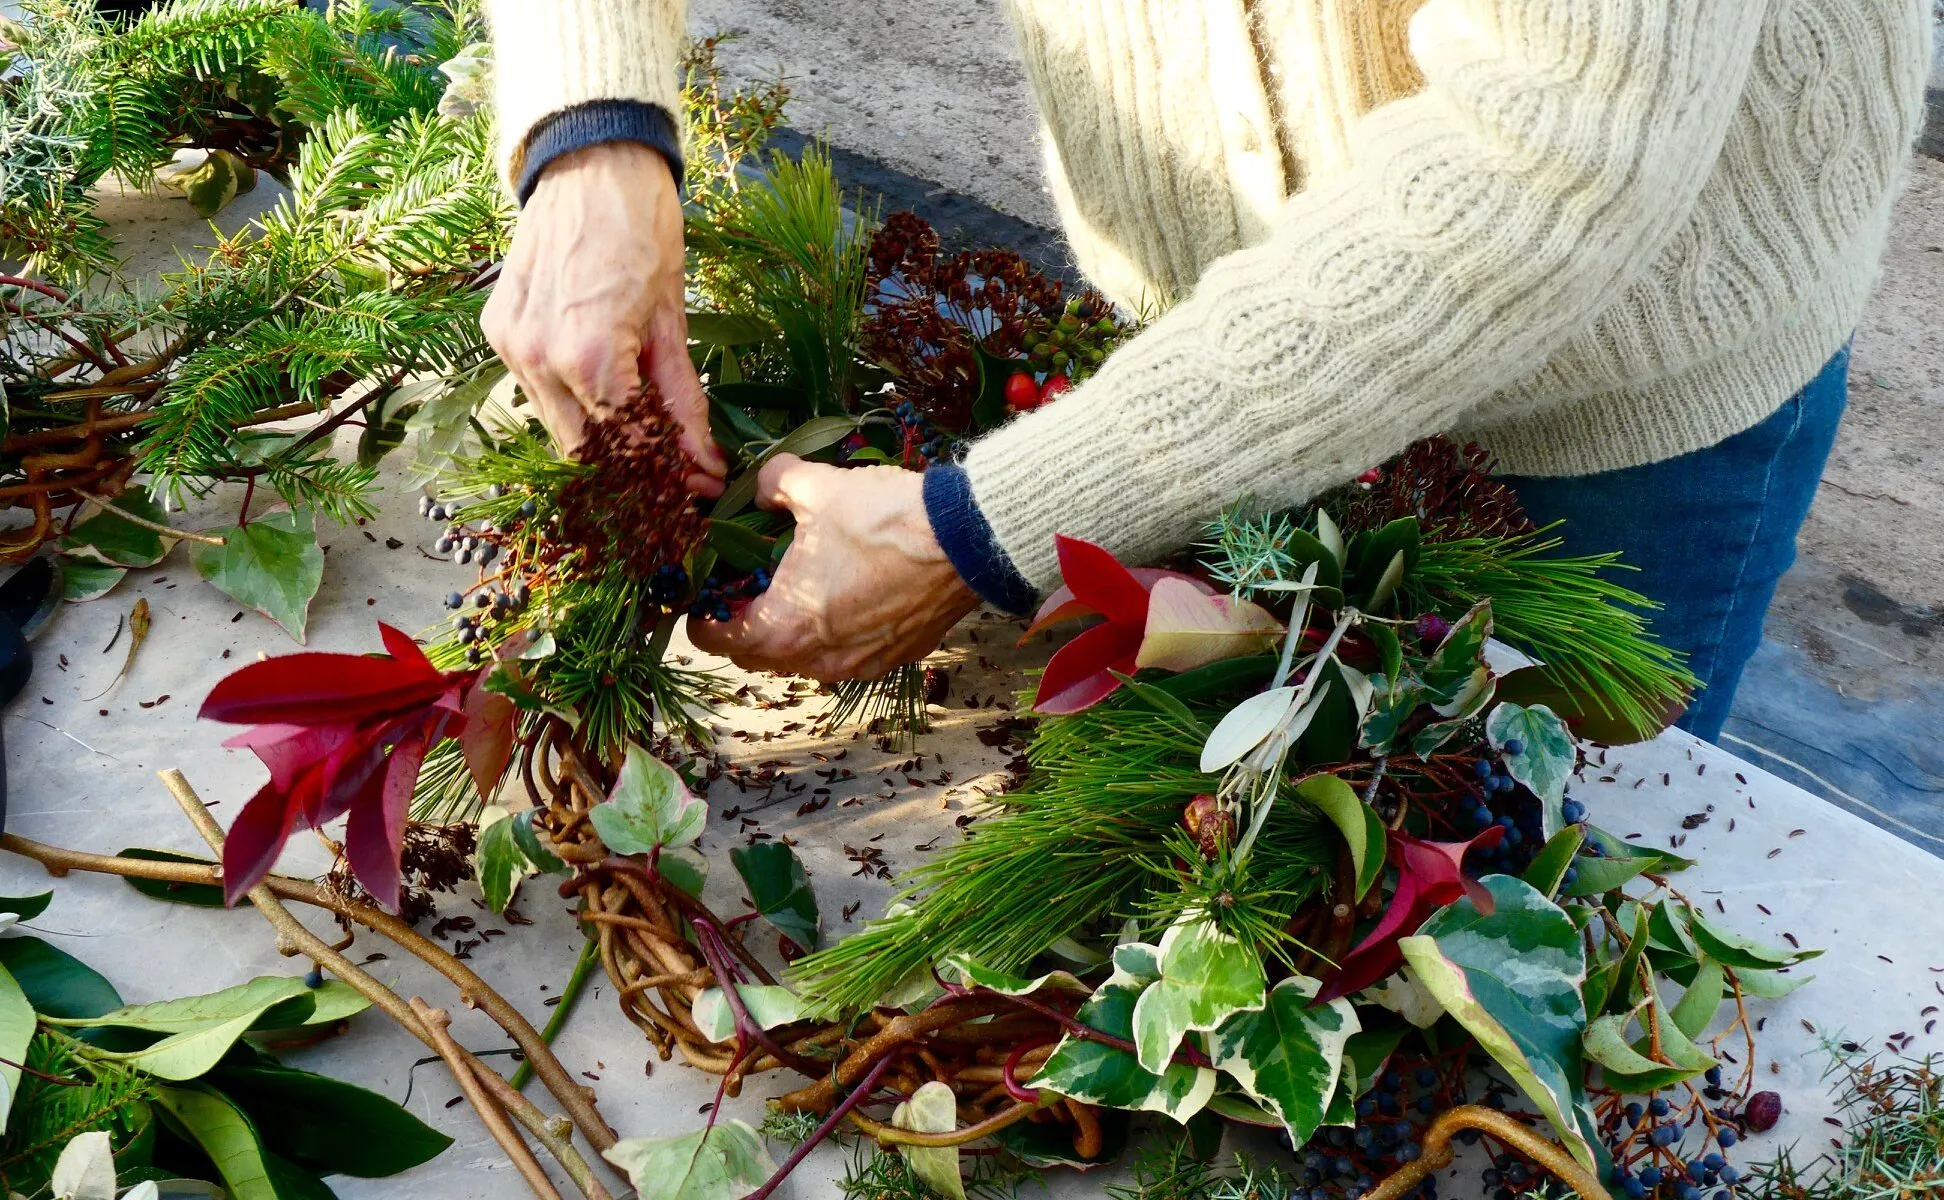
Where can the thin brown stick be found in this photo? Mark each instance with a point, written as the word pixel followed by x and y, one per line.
pixel 1438 1153
pixel 436 1022
pixel 891 1135
pixel 153 526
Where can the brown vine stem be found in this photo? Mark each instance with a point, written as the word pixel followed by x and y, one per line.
pixel 206 539
pixel 1438 1153
pixel 294 939
pixel 472 989
pixel 892 1135
pixel 437 1022
pixel 847 1108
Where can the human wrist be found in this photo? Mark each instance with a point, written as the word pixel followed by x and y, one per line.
pixel 623 129
pixel 966 541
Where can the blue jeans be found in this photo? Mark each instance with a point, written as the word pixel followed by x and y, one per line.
pixel 1711 532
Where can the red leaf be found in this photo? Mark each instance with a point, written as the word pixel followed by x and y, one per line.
pixel 1100 581
pixel 1430 875
pixel 374 838
pixel 488 738
pixel 1078 675
pixel 256 839
pixel 320 689
pixel 404 650
pixel 1061 606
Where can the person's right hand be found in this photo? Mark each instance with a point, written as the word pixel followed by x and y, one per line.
pixel 589 301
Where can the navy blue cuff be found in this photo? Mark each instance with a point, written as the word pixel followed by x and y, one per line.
pixel 593 124
pixel 967 540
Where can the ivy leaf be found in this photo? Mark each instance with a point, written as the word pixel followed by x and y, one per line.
pixel 499 862
pixel 686 868
pixel 1288 1055
pixel 649 809
pixel 1618 862
pixel 1362 829
pixel 1456 674
pixel 272 565
pixel 16 1031
pixel 780 888
pixel 725 1162
pixel 933 1108
pixel 1546 754
pixel 1548 868
pixel 108 540
pixel 527 838
pixel 1094 1073
pixel 971 974
pixel 768 1005
pixel 1513 980
pixel 85 581
pixel 1207 977
pixel 226 1136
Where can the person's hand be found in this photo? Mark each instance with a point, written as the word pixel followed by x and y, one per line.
pixel 863 587
pixel 589 301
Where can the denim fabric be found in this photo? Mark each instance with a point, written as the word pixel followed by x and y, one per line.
pixel 1710 532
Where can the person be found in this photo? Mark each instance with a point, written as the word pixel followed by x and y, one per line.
pixel 1622 244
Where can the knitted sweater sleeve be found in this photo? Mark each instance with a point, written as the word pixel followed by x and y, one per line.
pixel 552 56
pixel 1556 145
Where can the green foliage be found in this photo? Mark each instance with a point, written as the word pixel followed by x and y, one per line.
pixel 1167 1167
pixel 894 704
pixel 47 1114
pixel 1892 1146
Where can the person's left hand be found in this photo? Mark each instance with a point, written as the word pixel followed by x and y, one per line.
pixel 863 587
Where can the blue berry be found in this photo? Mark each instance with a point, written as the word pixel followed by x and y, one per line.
pixel 315 978
pixel 1727 1137
pixel 529 508
pixel 455 600
pixel 1663 1136
pixel 1409 1152
pixel 1570 877
pixel 1658 1106
pixel 1688 1192
pixel 1426 1077
pixel 1573 811
pixel 1713 1162
pixel 1483 767
pixel 1729 1174
pixel 1514 747
pixel 1651 1176
pixel 1427 1105
pixel 1491 1177
pixel 1713 1077
pixel 1634 1189
pixel 1366 1106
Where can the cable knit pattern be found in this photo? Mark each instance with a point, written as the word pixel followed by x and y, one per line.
pixel 551 55
pixel 1588 233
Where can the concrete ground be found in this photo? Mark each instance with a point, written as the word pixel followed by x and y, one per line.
pixel 928 106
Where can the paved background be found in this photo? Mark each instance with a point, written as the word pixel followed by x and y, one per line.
pixel 927 105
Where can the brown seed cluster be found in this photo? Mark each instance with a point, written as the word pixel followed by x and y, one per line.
pixel 634 508
pixel 930 311
pixel 1450 490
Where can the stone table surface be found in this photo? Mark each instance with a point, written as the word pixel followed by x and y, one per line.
pixel 83 763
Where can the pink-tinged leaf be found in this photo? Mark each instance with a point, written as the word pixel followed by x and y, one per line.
pixel 374 839
pixel 1061 605
pixel 1430 875
pixel 320 689
pixel 488 738
pixel 1188 628
pixel 290 750
pixel 1081 673
pixel 404 650
pixel 256 839
pixel 1100 581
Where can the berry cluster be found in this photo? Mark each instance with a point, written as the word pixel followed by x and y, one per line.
pixel 1646 1142
pixel 482 544
pixel 1502 801
pixel 923 440
pixel 717 598
pixel 1077 342
pixel 634 507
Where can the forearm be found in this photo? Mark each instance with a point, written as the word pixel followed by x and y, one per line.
pixel 1555 148
pixel 573 73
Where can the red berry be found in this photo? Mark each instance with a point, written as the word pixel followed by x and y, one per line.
pixel 1056 385
pixel 1022 393
pixel 1371 476
pixel 1763 1111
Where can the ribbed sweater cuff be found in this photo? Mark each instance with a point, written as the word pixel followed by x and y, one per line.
pixel 596 123
pixel 967 540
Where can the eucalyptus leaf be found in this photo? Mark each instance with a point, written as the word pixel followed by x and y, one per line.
pixel 190 1013
pixel 1245 727
pixel 273 565
pixel 818 433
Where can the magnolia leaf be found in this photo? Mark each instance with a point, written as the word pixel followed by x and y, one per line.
pixel 1548 868
pixel 933 1108
pixel 649 809
pixel 319 1008
pixel 1768 985
pixel 1361 828
pixel 1207 976
pixel 193 1052
pixel 971 974
pixel 1330 536
pixel 1387 583
pixel 1702 999
pixel 1094 1073
pixel 85 581
pixel 16 1031
pixel 1680 1059
pixel 499 862
pixel 1245 727
pixel 108 540
pixel 780 888
pixel 226 1136
pixel 273 565
pixel 724 1162
pixel 1513 980
pixel 26 908
pixel 1546 754
pixel 1734 950
pixel 188 1014
pixel 768 1005
pixel 1288 1055
pixel 325 1125
pixel 1188 628
pixel 56 984
pixel 86 1169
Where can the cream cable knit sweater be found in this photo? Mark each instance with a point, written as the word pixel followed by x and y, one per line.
pixel 1588 233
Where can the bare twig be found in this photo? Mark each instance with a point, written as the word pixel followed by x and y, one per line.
pixel 1438 1153
pixel 436 1022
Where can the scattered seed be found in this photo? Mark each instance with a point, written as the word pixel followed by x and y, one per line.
pixel 1775 852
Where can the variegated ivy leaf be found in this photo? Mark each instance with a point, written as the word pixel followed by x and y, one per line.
pixel 1206 978
pixel 971 974
pixel 499 863
pixel 725 1162
pixel 1288 1055
pixel 1094 1073
pixel 1545 757
pixel 1456 675
pixel 649 809
pixel 769 1006
pixel 933 1108
pixel 1513 979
